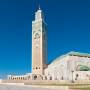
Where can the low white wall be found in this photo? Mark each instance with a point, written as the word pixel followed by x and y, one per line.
pixel 82 75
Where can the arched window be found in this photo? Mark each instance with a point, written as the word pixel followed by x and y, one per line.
pixel 35 77
pixel 50 78
pixel 28 77
pixel 76 76
pixel 21 78
pixel 15 78
pixel 36 68
pixel 45 78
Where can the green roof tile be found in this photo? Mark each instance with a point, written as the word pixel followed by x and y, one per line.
pixel 79 54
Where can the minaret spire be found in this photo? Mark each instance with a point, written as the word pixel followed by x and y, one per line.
pixel 39 7
pixel 39 14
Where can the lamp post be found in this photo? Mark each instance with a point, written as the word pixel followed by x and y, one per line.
pixel 72 76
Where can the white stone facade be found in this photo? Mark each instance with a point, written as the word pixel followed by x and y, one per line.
pixel 72 66
pixel 67 67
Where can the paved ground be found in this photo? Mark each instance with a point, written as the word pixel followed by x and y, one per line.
pixel 14 87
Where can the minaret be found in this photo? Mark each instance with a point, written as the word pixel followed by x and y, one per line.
pixel 39 43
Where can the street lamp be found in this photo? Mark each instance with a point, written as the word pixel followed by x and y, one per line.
pixel 72 76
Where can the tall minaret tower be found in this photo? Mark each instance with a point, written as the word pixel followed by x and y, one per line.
pixel 39 43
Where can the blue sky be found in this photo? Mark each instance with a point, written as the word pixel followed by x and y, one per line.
pixel 68 24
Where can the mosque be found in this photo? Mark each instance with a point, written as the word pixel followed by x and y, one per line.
pixel 71 66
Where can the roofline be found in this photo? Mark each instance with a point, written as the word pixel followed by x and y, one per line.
pixel 72 53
